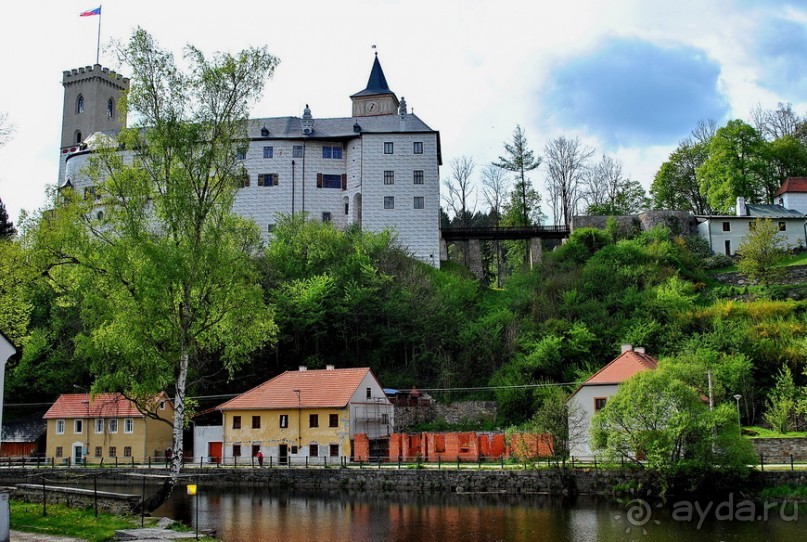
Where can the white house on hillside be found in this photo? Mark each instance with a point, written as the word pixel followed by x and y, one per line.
pixel 724 233
pixel 592 395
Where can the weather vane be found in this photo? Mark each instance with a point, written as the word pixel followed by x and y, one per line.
pixel 376 52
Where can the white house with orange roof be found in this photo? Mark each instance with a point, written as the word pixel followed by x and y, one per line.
pixel 793 194
pixel 107 426
pixel 312 414
pixel 592 395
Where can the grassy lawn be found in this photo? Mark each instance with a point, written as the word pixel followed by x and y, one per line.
pixel 785 492
pixel 762 432
pixel 74 522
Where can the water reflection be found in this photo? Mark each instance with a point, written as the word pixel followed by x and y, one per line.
pixel 256 514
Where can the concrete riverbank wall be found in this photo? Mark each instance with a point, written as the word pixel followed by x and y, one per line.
pixel 553 481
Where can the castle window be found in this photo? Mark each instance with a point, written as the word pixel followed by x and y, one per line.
pixel 418 176
pixel 389 177
pixel 267 179
pixel 417 147
pixel 332 152
pixel 80 104
pixel 268 152
pixel 240 154
pixel 331 181
pixel 326 152
pixel 110 108
pixel 419 202
pixel 389 202
pixel 297 151
pixel 78 136
pixel 326 217
pixel 388 147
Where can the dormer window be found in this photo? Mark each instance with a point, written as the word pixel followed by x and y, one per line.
pixel 80 104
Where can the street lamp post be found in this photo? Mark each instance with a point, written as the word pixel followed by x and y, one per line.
pixel 737 398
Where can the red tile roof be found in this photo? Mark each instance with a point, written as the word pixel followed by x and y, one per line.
pixel 792 184
pixel 103 405
pixel 622 368
pixel 326 388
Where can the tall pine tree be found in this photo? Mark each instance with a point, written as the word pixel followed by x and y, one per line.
pixel 7 230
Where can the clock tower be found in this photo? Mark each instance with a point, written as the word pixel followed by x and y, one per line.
pixel 377 98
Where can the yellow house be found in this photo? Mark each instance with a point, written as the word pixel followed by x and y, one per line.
pixel 107 426
pixel 306 414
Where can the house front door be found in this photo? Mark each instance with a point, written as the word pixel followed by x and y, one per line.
pixel 283 454
pixel 78 453
pixel 214 451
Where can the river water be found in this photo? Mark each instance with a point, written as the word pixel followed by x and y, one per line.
pixel 258 514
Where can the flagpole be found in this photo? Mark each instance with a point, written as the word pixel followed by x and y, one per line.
pixel 98 43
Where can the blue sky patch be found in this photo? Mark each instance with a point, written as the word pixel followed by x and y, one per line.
pixel 781 49
pixel 632 92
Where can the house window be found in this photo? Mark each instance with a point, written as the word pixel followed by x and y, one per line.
pixel 78 426
pixel 284 421
pixel 240 154
pixel 727 246
pixel 59 427
pixel 388 148
pixel 99 451
pixel 313 420
pixel 418 176
pixel 162 405
pixel 110 108
pixel 332 152
pixel 267 179
pixel 389 177
pixel 752 226
pixel 113 451
pixel 80 104
pixel 417 147
pixel 113 426
pixel 333 420
pixel 419 202
pixel 313 450
pixel 368 393
pixel 127 451
pixel 726 226
pixel 389 202
pixel 334 450
pixel 297 151
pixel 59 451
pixel 242 180
pixel 326 217
pixel 782 226
pixel 256 422
pixel 294 449
pixel 599 403
pixel 236 422
pixel 128 425
pixel 331 181
pixel 268 152
pixel 99 425
pixel 385 418
pixel 236 450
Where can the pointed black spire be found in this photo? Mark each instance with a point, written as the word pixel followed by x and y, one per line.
pixel 377 83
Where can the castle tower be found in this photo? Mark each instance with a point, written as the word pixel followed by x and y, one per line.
pixel 91 96
pixel 377 98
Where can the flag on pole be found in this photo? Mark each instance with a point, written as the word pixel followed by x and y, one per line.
pixel 91 12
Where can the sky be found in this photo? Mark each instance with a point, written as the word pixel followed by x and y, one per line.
pixel 629 78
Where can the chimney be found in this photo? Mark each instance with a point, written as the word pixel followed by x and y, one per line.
pixel 329 367
pixel 303 368
pixel 742 210
pixel 639 350
pixel 626 348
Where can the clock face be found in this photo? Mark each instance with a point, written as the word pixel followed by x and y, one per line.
pixel 372 107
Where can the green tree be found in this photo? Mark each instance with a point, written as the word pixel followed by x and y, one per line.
pixel 163 272
pixel 782 400
pixel 660 418
pixel 16 278
pixel 676 186
pixel 760 252
pixel 735 167
pixel 7 229
pixel 525 203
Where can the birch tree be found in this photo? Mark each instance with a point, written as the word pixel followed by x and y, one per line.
pixel 566 162
pixel 162 270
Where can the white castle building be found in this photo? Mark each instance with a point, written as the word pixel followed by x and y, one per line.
pixel 378 168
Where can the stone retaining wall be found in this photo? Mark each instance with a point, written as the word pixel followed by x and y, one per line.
pixel 779 450
pixel 113 503
pixel 452 413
